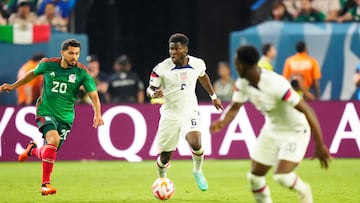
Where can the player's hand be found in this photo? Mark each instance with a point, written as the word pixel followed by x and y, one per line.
pixel 322 153
pixel 217 103
pixel 158 93
pixel 6 87
pixel 97 121
pixel 216 126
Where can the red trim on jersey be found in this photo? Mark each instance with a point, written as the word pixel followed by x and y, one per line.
pixel 287 95
pixel 153 74
pixel 82 66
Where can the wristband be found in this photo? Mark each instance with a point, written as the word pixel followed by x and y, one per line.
pixel 213 97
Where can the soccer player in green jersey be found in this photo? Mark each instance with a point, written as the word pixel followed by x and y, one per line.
pixel 55 107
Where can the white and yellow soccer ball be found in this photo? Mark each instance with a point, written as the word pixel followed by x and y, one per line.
pixel 163 188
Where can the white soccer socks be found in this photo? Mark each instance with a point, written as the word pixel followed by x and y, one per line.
pixel 162 168
pixel 198 159
pixel 259 188
pixel 294 182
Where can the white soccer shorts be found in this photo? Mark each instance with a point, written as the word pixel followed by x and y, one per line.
pixel 171 127
pixel 272 146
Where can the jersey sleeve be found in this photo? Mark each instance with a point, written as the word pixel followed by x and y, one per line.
pixel 89 83
pixel 40 69
pixel 291 97
pixel 285 92
pixel 202 68
pixel 155 77
pixel 240 94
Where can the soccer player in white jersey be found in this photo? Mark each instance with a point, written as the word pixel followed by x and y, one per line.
pixel 174 79
pixel 285 136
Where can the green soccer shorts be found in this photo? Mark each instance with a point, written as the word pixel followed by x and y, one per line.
pixel 46 123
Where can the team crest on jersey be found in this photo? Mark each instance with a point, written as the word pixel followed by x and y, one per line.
pixel 72 78
pixel 183 76
pixel 47 118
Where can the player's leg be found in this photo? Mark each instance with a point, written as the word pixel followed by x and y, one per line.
pixel 194 140
pixel 291 153
pixel 48 159
pixel 32 146
pixel 257 181
pixel 163 163
pixel 286 177
pixel 263 157
pixel 167 139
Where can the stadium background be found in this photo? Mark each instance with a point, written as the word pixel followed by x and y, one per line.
pixel 141 29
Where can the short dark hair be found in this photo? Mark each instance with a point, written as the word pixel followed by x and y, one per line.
pixel 70 42
pixel 179 37
pixel 247 55
pixel 300 47
pixel 266 48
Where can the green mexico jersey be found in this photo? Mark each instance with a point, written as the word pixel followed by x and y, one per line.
pixel 355 12
pixel 61 88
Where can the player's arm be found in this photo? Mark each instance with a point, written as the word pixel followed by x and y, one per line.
pixel 206 83
pixel 154 92
pixel 321 151
pixel 94 97
pixel 23 80
pixel 227 116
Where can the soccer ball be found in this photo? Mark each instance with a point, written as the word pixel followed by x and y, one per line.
pixel 163 188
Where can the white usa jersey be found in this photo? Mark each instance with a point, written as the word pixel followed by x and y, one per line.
pixel 178 84
pixel 275 98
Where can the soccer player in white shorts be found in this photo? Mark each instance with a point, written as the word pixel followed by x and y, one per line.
pixel 174 79
pixel 285 136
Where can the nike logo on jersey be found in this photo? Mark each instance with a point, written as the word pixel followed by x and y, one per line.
pixel 52 74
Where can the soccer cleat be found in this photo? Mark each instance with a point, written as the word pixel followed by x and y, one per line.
pixel 25 155
pixel 201 181
pixel 47 189
pixel 306 197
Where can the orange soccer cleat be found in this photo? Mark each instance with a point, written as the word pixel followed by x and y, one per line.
pixel 25 155
pixel 47 189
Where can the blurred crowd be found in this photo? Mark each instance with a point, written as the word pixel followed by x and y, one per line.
pixel 55 13
pixel 315 10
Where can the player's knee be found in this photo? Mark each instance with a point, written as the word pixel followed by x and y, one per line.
pixel 256 182
pixel 53 139
pixel 285 179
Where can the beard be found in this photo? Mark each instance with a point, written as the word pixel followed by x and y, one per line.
pixel 178 61
pixel 70 63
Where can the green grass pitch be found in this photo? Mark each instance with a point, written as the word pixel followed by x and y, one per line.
pixel 121 181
